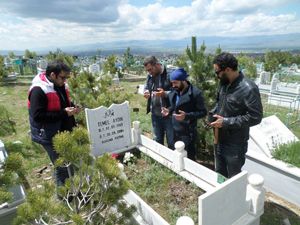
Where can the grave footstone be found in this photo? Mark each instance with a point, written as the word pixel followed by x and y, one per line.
pixel 109 128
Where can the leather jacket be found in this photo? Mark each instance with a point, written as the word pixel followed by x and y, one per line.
pixel 240 105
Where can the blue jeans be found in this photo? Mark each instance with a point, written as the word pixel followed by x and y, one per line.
pixel 61 173
pixel 161 126
pixel 230 158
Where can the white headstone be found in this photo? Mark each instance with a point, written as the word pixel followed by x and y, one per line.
pixel 109 128
pixel 264 77
pixel 141 89
pixel 42 65
pixel 275 81
pixel 94 68
pixel 270 133
pixel 116 79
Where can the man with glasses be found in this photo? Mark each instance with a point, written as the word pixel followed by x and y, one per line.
pixel 238 108
pixel 156 92
pixel 51 110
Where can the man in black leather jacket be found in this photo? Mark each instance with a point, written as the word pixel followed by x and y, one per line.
pixel 238 108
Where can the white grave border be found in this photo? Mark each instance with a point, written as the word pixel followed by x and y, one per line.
pixel 237 201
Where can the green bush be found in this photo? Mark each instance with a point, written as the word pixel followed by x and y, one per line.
pixel 92 196
pixel 289 153
pixel 7 126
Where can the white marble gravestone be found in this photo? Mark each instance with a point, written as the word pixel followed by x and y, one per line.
pixel 264 77
pixel 267 135
pixel 109 128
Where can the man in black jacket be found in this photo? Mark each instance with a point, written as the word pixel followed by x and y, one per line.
pixel 238 108
pixel 186 106
pixel 156 92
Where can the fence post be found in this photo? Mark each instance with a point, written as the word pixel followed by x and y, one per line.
pixel 136 132
pixel 185 220
pixel 256 196
pixel 180 153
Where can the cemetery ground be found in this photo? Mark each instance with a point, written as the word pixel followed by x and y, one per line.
pixel 36 162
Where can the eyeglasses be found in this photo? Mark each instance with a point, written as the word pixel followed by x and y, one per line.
pixel 63 78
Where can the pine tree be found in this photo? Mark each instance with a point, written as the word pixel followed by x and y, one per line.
pixel 90 91
pixel 128 59
pixel 92 196
pixel 203 77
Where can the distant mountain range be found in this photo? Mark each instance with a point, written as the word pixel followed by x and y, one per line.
pixel 234 44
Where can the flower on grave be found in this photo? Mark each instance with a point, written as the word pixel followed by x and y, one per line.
pixel 128 157
pixel 115 155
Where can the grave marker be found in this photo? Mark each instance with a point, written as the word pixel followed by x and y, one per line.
pixel 109 128
pixel 270 133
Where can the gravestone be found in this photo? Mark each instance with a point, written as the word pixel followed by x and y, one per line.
pixel 109 128
pixel 274 83
pixel 42 65
pixel 141 89
pixel 116 80
pixel 264 77
pixel 267 135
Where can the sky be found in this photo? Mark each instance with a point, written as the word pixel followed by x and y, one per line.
pixel 34 24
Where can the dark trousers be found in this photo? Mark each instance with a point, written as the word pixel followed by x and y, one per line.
pixel 161 126
pixel 61 173
pixel 189 141
pixel 230 158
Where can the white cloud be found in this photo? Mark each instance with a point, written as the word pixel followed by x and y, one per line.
pixel 151 22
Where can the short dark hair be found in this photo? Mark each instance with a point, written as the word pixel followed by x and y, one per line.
pixel 150 60
pixel 225 60
pixel 57 67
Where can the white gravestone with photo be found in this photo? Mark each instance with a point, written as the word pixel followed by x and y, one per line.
pixel 267 135
pixel 109 128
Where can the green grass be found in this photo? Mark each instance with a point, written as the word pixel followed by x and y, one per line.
pixel 166 192
pixel 14 99
pixel 289 153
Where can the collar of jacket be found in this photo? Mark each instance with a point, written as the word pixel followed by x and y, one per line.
pixel 236 81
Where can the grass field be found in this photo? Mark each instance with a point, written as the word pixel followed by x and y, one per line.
pixel 14 98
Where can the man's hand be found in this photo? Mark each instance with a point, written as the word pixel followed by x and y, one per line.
pixel 179 116
pixel 164 111
pixel 159 93
pixel 146 94
pixel 71 111
pixel 219 122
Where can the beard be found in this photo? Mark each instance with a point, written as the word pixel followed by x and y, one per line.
pixel 224 79
pixel 180 87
